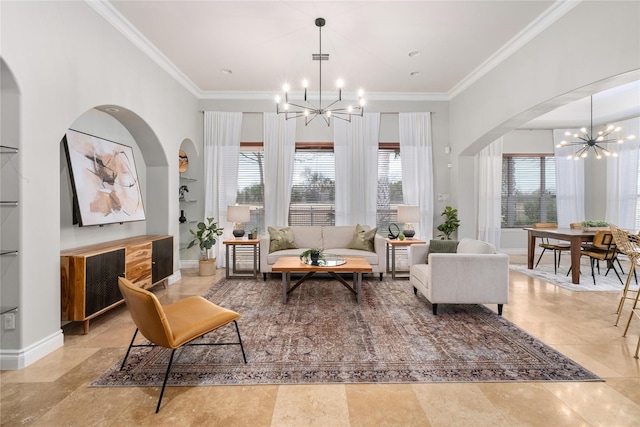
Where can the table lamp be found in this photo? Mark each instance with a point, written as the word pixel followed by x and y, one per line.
pixel 408 214
pixel 238 214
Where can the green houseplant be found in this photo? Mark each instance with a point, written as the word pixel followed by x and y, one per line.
pixel 450 225
pixel 205 236
pixel 314 254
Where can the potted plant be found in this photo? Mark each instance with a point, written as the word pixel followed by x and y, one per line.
pixel 205 236
pixel 450 225
pixel 314 254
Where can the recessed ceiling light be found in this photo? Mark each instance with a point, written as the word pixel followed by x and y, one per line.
pixel 414 53
pixel 414 73
pixel 226 71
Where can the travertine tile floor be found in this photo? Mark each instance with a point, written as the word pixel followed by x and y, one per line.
pixel 54 392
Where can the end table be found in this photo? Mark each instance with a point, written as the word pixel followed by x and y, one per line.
pixel 393 244
pixel 237 273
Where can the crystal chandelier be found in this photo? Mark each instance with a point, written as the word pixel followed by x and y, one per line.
pixel 588 140
pixel 308 109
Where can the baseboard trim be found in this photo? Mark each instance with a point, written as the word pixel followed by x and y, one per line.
pixel 18 359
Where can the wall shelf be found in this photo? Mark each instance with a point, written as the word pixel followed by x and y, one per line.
pixel 9 203
pixel 4 252
pixel 5 149
pixel 187 178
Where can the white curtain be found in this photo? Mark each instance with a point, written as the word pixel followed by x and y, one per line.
pixel 569 183
pixel 416 156
pixel 355 148
pixel 489 182
pixel 622 177
pixel 279 150
pixel 221 151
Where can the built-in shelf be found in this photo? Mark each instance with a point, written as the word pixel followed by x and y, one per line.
pixel 187 178
pixel 187 201
pixel 189 222
pixel 8 203
pixel 4 252
pixel 7 309
pixel 4 149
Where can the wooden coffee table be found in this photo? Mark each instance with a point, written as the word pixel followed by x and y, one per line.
pixel 287 265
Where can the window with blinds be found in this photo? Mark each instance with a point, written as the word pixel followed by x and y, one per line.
pixel 314 186
pixel 251 183
pixel 389 187
pixel 528 190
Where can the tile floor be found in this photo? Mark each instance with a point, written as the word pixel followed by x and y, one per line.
pixel 54 392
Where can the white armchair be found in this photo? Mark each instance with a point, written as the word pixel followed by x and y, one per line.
pixel 475 274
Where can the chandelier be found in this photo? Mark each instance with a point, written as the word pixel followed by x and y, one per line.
pixel 587 140
pixel 309 110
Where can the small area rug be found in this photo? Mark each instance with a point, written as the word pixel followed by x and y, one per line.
pixel 322 336
pixel 608 283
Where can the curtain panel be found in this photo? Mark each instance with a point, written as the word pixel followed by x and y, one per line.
pixel 570 198
pixel 279 151
pixel 489 191
pixel 416 148
pixel 356 159
pixel 221 151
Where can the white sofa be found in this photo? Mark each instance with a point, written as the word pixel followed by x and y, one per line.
pixel 475 274
pixel 332 239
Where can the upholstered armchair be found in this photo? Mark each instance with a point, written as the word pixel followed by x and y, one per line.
pixel 473 274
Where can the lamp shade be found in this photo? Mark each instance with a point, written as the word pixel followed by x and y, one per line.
pixel 238 213
pixel 408 213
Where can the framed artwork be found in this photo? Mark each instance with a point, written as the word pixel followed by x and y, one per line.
pixel 104 179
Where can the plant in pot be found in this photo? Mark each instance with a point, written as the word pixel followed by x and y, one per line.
pixel 206 236
pixel 450 225
pixel 312 254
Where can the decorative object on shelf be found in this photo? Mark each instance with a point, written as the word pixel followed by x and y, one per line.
pixel 588 140
pixel 450 225
pixel 308 109
pixel 105 183
pixel 594 225
pixel 182 190
pixel 206 236
pixel 183 161
pixel 313 254
pixel 408 214
pixel 394 231
pixel 253 234
pixel 182 218
pixel 238 214
pixel 401 236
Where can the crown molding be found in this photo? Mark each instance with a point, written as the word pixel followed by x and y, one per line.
pixel 551 15
pixel 115 18
pixel 375 96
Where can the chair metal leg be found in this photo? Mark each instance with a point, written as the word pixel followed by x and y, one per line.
pixel 240 341
pixel 129 349
pixel 164 383
pixel 544 249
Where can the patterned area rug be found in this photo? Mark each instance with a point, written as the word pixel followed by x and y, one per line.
pixel 322 336
pixel 608 283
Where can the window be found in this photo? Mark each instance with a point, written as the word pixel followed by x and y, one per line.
pixel 528 190
pixel 314 186
pixel 389 186
pixel 251 183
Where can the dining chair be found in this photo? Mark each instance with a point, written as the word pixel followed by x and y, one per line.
pixel 603 248
pixel 629 245
pixel 173 325
pixel 556 247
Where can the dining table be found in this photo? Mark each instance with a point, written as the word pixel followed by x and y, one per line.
pixel 575 236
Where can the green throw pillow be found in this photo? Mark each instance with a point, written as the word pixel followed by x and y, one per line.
pixel 280 239
pixel 363 240
pixel 442 246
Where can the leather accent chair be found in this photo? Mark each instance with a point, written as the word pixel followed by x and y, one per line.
pixel 173 325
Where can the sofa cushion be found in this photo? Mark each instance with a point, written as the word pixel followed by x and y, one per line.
pixel 472 246
pixel 371 257
pixel 308 236
pixel 363 239
pixel 338 236
pixel 273 257
pixel 442 246
pixel 280 239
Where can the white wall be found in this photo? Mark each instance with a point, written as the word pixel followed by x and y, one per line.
pixel 547 72
pixel 67 60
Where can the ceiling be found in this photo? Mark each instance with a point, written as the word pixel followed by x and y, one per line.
pixel 233 49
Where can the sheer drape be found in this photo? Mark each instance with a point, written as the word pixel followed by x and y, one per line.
pixel 279 150
pixel 489 182
pixel 569 183
pixel 417 168
pixel 622 177
pixel 221 151
pixel 356 155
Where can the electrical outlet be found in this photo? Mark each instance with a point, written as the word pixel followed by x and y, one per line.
pixel 9 321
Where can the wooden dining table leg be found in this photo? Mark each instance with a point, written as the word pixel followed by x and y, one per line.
pixel 575 260
pixel 531 250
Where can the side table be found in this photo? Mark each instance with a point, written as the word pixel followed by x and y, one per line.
pixel 238 273
pixel 393 244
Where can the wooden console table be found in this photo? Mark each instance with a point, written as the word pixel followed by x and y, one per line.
pixel 89 274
